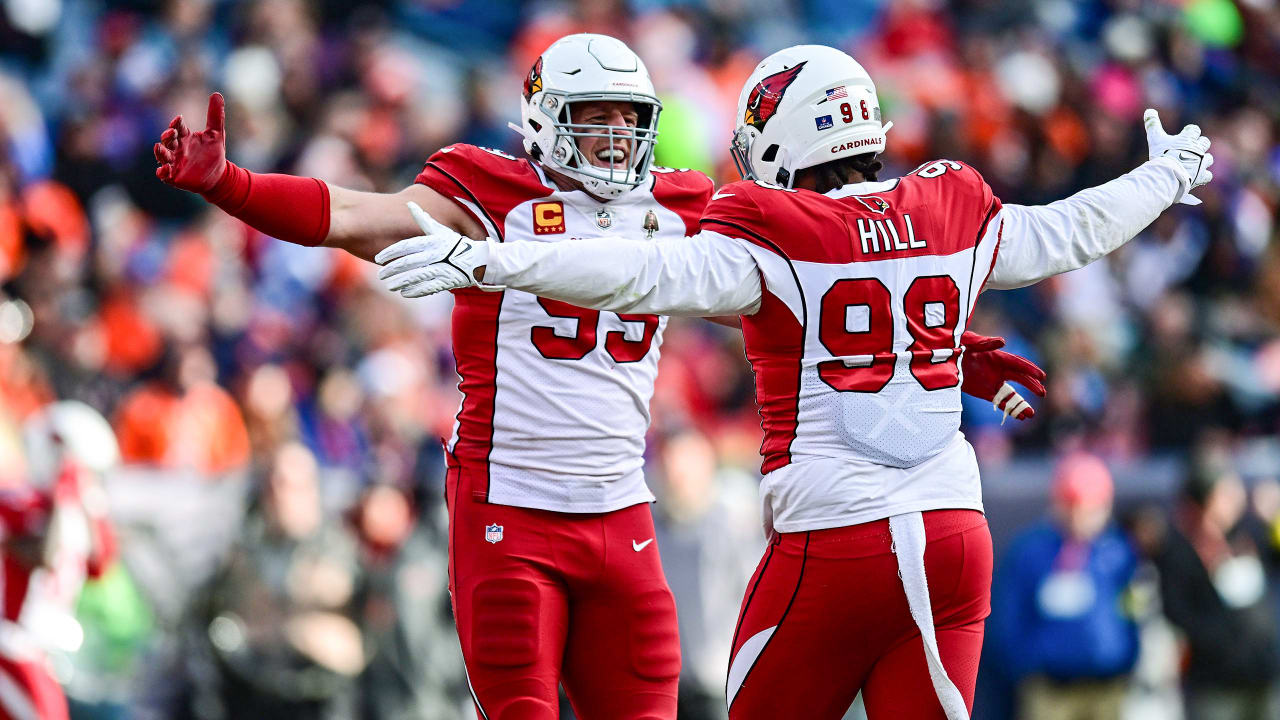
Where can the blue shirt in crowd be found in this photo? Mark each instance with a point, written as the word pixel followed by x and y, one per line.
pixel 1057 606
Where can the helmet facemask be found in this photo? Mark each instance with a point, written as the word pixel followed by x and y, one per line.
pixel 584 68
pixel 741 148
pixel 567 156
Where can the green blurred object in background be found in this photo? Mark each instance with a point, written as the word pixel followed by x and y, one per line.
pixel 682 137
pixel 117 623
pixel 1214 22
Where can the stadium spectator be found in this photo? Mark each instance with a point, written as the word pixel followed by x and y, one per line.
pixel 184 420
pixel 1058 611
pixel 281 613
pixel 706 521
pixel 415 670
pixel 1213 588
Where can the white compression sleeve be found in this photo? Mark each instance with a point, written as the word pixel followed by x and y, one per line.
pixel 706 274
pixel 1045 240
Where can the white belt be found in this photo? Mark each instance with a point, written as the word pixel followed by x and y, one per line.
pixel 909 540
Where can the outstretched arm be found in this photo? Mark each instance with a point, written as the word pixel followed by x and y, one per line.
pixel 706 274
pixel 366 223
pixel 301 210
pixel 1042 241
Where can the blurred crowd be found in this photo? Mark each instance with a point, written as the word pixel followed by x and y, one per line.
pixel 279 417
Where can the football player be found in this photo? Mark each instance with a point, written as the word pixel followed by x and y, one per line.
pixel 554 574
pixel 854 294
pixel 55 534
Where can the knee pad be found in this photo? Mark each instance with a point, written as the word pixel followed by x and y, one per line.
pixel 655 640
pixel 505 623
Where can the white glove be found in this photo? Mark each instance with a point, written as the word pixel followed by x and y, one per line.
pixel 1189 148
pixel 440 259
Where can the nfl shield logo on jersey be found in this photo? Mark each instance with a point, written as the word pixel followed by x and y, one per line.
pixel 493 533
pixel 604 219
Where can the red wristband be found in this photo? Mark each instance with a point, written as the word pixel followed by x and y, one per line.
pixel 291 208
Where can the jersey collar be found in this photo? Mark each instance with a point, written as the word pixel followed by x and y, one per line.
pixel 864 188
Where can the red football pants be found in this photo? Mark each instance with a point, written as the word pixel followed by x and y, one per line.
pixel 825 615
pixel 561 598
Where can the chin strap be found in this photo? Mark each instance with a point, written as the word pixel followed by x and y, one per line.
pixel 530 138
pixel 522 131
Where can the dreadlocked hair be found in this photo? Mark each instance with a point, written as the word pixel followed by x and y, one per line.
pixel 837 173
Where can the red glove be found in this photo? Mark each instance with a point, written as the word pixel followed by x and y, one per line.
pixel 987 370
pixel 194 161
pixel 294 209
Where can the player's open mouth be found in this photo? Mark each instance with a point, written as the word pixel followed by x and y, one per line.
pixel 607 157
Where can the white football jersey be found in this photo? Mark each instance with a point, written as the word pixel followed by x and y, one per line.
pixel 555 397
pixel 856 345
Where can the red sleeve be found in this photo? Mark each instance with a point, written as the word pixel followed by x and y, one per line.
pixel 973 188
pixel 734 211
pixel 684 192
pixel 486 183
pixel 960 203
pixel 796 224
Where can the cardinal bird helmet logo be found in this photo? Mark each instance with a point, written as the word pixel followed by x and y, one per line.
pixel 763 101
pixel 533 83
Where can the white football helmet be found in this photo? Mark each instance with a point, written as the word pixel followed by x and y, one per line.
pixel 583 68
pixel 68 429
pixel 804 106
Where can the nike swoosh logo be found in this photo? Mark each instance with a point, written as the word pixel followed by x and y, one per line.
pixel 1186 156
pixel 721 194
pixel 465 249
pixel 640 546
